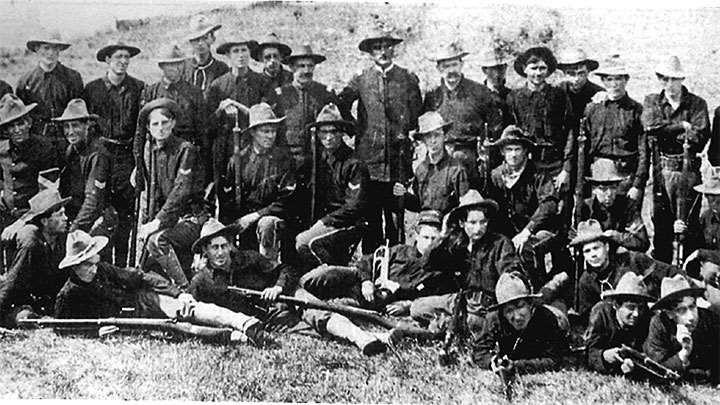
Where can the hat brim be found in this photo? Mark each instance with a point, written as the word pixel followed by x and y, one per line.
pixel 532 297
pixel 627 296
pixel 605 73
pixel 591 64
pixel 170 61
pixel 346 126
pixel 316 58
pixel 612 180
pixel 513 141
pixel 581 240
pixel 285 50
pixel 76 118
pixel 489 204
pixel 34 44
pixel 157 103
pixel 459 55
pixel 420 135
pixel 111 49
pixel 201 33
pixel 276 121
pixel 225 47
pixel 663 302
pixel 98 244
pixel 30 215
pixel 541 51
pixel 229 231
pixel 365 44
pixel 701 188
pixel 12 118
pixel 495 62
pixel 670 74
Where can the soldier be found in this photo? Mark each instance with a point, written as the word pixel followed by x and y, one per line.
pixel 271 53
pixel 471 254
pixel 619 218
pixel 520 335
pixel 175 211
pixel 440 179
pixel 115 98
pixel 576 66
pixel 301 101
pixel 50 85
pixel 260 181
pixel 229 97
pixel 671 117
pixel 614 130
pixel 191 120
pixel 605 265
pixel 622 318
pixel 705 233
pixel 683 337
pixel 389 103
pixel 338 193
pixel 528 203
pixel 463 102
pixel 202 68
pixel 23 155
pixel 29 287
pixel 494 67
pixel 86 172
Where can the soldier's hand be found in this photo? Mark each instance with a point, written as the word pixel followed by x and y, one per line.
pixel 247 220
pixel 148 229
pixel 684 337
pixel 11 230
pixel 612 355
pixel 398 308
pixel 228 105
pixel 627 366
pixel 686 126
pixel 390 285
pixel 186 298
pixel 368 290
pixel 501 364
pixel 679 226
pixel 633 193
pixel 562 181
pixel 521 239
pixel 272 293
pixel 399 190
pixel 692 256
pixel 612 234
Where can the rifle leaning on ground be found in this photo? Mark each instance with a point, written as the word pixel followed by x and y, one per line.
pixel 161 324
pixel 455 331
pixel 681 202
pixel 401 199
pixel 645 363
pixel 577 213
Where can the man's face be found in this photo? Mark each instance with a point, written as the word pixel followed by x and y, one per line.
pixel 217 251
pixel 628 313
pixel 577 76
pixel 597 253
pixel 88 269
pixel 685 313
pixel 426 235
pixel 475 225
pixel 495 74
pixel 19 130
pixel 303 69
pixel 76 131
pixel 330 137
pixel 118 62
pixel 56 223
pixel 605 193
pixel 615 85
pixel 518 314
pixel 434 141
pixel 201 46
pixel 160 125
pixel 172 71
pixel 536 72
pixel 264 136
pixel 48 54
pixel 713 202
pixel 514 155
pixel 451 70
pixel 382 53
pixel 671 85
pixel 710 273
pixel 239 56
pixel 272 60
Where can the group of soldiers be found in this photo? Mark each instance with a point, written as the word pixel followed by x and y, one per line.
pixel 154 200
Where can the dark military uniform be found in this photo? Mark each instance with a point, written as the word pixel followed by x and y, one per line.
pixel 118 107
pixel 300 106
pixel 663 123
pixel 623 217
pixel 437 186
pixel 388 109
pixel 282 78
pixel 704 234
pixel 52 91
pixel 581 98
pixel 202 76
pixel 714 149
pixel 5 88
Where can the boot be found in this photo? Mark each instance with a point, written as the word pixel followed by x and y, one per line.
pixel 342 327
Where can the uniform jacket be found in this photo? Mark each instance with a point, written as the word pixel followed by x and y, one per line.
pixel 284 77
pixel 117 106
pixel 437 186
pixel 714 150
pixel 623 217
pixel 706 233
pixel 51 90
pixel 248 88
pixel 580 99
pixel 84 177
pixel 499 111
pixel 202 76
pixel 5 88
pixel 300 106
pixel 20 167
pixel 388 108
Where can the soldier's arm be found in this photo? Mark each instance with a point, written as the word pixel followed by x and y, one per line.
pixel 643 169
pixel 95 192
pixel 653 121
pixel 415 102
pixel 555 351
pixel 506 258
pixel 597 341
pixel 570 153
pixel 412 199
pixel 700 121
pixel 287 190
pixel 546 212
pixel 356 197
pixel 182 187
pixel 484 346
pixel 660 346
pixel 18 276
pixel 76 85
pixel 347 96
pixel 141 130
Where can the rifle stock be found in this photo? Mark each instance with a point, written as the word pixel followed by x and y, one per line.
pixel 160 324
pixel 681 201
pixel 645 363
pixel 577 213
pixel 455 330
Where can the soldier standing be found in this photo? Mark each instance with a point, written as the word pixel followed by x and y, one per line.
pixel 271 53
pixel 202 68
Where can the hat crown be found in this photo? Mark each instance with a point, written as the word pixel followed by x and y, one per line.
pixel 614 65
pixel 172 51
pixel 11 106
pixel 44 200
pixel 453 50
pixel 490 57
pixel 604 169
pixel 271 38
pixel 631 283
pixel 671 68
pixel 430 217
pixel 510 286
pixel 200 22
pixel 304 49
pixel 211 226
pixel 329 113
pixel 670 285
pixel 572 56
pixel 77 242
pixel 589 228
pixel 430 121
pixel 76 108
pixel 513 132
pixel 261 113
pixel 471 197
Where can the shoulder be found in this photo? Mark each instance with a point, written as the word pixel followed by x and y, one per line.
pixel 28 236
pixel 68 71
pixel 135 82
pixel 95 84
pixel 695 99
pixel 651 99
pixel 600 311
pixel 27 76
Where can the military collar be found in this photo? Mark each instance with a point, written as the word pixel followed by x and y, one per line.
pixel 497 90
pixel 386 70
pixel 339 154
pixel 54 70
pixel 198 66
pixel 109 85
pixel 623 101
pixel 684 96
pixel 171 141
pixel 443 159
pixel 544 89
pixel 457 87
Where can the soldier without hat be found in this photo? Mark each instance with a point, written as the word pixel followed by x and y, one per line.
pixel 202 68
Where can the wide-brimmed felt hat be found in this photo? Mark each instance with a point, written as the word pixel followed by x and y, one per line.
pixel 51 39
pixel 491 58
pixel 271 41
pixel 262 114
pixel 200 25
pixel 675 288
pixel 226 46
pixel 12 108
pixel 541 52
pixel 304 51
pixel 211 229
pixel 472 199
pixel 710 176
pixel 708 255
pixel 452 51
pixel 631 286
pixel 330 115
pixel 45 201
pixel 80 246
pixel 172 53
pixel 514 135
pixel 613 66
pixel 157 103
pixel 430 217
pixel 366 44
pixel 110 49
pixel 511 287
pixel 429 122
pixel 575 56
pixel 604 171
pixel 76 110
pixel 672 68
pixel 589 231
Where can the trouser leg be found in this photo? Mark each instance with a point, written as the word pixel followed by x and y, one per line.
pixel 270 231
pixel 164 245
pixel 122 198
pixel 205 314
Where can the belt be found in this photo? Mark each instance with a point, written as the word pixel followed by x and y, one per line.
pixel 117 142
pixel 674 163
